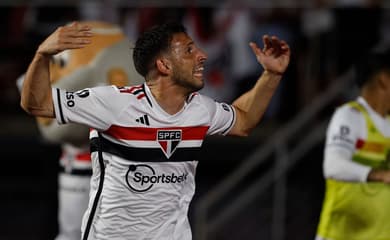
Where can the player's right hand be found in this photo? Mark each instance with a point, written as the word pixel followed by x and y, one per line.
pixel 386 177
pixel 379 175
pixel 71 36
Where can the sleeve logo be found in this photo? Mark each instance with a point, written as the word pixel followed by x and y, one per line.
pixel 225 107
pixel 69 99
pixel 343 135
pixel 83 93
pixel 344 131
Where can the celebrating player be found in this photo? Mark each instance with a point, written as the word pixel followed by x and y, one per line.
pixel 145 138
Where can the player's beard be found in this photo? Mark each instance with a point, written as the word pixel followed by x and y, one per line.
pixel 187 81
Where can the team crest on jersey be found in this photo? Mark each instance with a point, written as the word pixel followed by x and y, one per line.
pixel 168 140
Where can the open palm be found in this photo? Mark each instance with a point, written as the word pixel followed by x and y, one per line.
pixel 72 36
pixel 275 56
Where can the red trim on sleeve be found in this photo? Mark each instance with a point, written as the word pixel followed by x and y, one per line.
pixel 359 143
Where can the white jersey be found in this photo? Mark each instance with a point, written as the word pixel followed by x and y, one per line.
pixel 346 128
pixel 144 159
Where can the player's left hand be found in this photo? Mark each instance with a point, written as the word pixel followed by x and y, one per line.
pixel 275 56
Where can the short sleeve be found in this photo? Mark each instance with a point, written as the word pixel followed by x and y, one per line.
pixel 222 116
pixel 94 107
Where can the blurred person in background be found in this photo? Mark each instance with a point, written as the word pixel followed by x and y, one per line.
pixel 357 159
pixel 145 138
pixel 208 28
pixel 106 61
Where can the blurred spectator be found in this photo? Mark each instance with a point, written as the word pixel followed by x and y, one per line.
pixel 316 62
pixel 208 29
pixel 243 63
pixel 283 23
pixel 99 10
pixel 136 20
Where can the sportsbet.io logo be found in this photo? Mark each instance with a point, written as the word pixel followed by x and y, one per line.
pixel 141 178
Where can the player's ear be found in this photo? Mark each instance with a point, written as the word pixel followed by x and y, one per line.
pixel 163 65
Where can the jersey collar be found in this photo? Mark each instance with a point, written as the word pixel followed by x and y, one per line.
pixel 156 106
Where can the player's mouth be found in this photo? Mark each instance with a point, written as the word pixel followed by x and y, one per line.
pixel 198 72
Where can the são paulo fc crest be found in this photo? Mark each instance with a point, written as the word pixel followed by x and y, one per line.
pixel 168 140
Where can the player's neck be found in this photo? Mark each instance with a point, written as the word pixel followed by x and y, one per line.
pixel 168 96
pixel 376 102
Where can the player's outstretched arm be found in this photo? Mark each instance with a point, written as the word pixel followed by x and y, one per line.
pixel 36 96
pixel 251 106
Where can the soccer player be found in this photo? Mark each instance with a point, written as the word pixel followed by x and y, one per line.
pixel 357 159
pixel 107 60
pixel 145 138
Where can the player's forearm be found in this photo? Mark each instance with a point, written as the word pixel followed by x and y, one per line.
pixel 339 166
pixel 36 96
pixel 379 175
pixel 252 105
